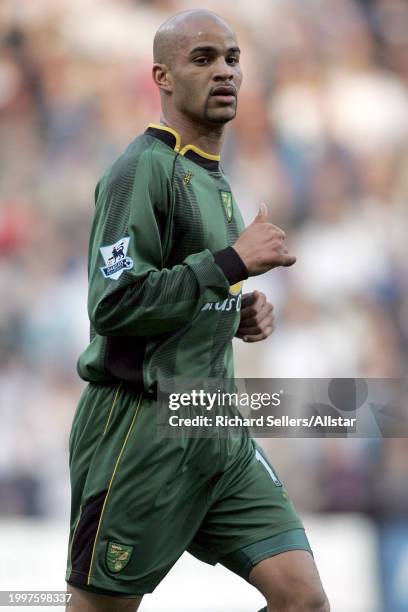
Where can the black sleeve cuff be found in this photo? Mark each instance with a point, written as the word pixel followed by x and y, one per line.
pixel 231 264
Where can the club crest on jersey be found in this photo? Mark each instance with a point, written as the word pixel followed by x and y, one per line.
pixel 226 199
pixel 115 258
pixel 118 556
pixel 187 177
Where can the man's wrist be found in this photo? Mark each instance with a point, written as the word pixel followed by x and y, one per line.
pixel 231 265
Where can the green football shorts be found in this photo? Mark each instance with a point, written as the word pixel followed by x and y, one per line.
pixel 140 500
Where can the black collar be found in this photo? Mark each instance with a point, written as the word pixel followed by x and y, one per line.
pixel 172 139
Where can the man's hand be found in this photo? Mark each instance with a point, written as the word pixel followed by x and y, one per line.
pixel 257 320
pixel 261 246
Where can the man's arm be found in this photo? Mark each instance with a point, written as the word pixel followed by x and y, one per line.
pixel 148 298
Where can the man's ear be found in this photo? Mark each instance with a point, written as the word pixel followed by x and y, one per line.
pixel 162 77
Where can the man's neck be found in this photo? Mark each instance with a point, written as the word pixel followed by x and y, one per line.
pixel 209 139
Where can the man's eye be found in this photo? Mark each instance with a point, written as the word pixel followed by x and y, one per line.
pixel 232 60
pixel 201 61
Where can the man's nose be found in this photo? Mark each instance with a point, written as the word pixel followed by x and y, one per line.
pixel 224 71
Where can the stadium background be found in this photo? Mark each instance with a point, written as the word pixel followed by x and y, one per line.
pixel 322 137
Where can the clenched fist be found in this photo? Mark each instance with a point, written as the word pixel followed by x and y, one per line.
pixel 261 246
pixel 257 320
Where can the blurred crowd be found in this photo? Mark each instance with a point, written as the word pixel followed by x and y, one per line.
pixel 321 136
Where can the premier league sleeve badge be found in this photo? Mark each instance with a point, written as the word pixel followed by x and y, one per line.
pixel 115 258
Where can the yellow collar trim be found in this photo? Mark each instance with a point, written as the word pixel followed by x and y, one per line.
pixel 159 126
pixel 199 151
pixel 189 147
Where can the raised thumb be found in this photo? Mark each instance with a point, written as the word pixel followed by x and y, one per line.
pixel 262 216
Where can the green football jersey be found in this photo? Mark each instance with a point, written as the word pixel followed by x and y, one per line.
pixel 164 283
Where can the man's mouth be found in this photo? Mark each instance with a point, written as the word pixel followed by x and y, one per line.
pixel 224 93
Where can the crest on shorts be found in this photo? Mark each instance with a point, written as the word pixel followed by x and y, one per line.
pixel 117 556
pixel 226 199
pixel 115 258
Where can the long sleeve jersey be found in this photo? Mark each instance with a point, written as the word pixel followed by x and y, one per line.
pixel 164 283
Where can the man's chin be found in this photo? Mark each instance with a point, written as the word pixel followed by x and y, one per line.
pixel 221 116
